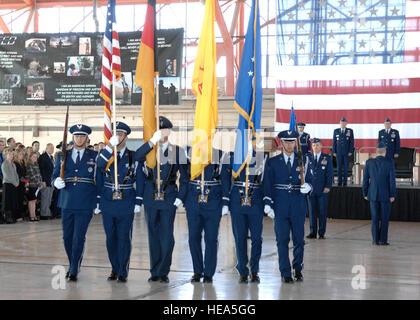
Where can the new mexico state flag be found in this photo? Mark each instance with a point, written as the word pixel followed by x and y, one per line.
pixel 204 86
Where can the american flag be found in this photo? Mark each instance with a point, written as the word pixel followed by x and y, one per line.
pixel 358 59
pixel 111 64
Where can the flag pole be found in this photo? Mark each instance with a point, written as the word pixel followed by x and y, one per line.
pixel 117 187
pixel 157 128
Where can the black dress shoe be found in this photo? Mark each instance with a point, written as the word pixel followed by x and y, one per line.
pixel 287 279
pixel 72 278
pixel 164 279
pixel 122 279
pixel 311 236
pixel 67 274
pixel 255 277
pixel 153 279
pixel 384 243
pixel 196 277
pixel 207 279
pixel 375 243
pixel 321 237
pixel 113 276
pixel 44 218
pixel 298 276
pixel 243 278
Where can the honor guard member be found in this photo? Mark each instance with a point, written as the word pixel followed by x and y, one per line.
pixel 391 138
pixel 119 206
pixel 247 213
pixel 379 188
pixel 284 199
pixel 342 149
pixel 205 208
pixel 305 138
pixel 322 179
pixel 77 195
pixel 160 206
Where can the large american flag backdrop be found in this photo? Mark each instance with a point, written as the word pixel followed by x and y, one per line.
pixel 358 59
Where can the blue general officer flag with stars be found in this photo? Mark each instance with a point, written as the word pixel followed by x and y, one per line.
pixel 248 96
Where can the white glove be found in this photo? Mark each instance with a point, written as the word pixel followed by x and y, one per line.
pixel 225 210
pixel 97 210
pixel 137 208
pixel 114 141
pixel 250 148
pixel 270 214
pixel 267 208
pixel 156 137
pixel 59 183
pixel 305 188
pixel 177 202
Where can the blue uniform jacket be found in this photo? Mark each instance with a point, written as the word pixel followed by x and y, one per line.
pixel 276 172
pixel 256 176
pixel 379 179
pixel 305 143
pixel 173 160
pixel 77 195
pixel 130 186
pixel 343 143
pixel 392 142
pixel 218 195
pixel 323 173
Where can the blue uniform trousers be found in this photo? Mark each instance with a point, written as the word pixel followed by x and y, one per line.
pixel 283 224
pixel 200 220
pixel 342 167
pixel 75 224
pixel 118 227
pixel 317 213
pixel 160 225
pixel 241 223
pixel 380 211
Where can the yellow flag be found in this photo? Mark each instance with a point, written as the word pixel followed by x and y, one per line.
pixel 204 86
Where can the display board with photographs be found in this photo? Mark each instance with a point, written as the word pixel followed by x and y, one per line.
pixel 61 69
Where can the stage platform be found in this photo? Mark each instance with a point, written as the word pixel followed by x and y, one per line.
pixel 348 203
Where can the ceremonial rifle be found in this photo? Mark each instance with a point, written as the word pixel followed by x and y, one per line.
pixel 64 145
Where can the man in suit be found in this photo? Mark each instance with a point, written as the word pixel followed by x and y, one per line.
pixel 323 175
pixel 284 200
pixel 46 167
pixel 160 205
pixel 2 145
pixel 205 208
pixel 118 212
pixel 77 195
pixel 343 148
pixel 305 138
pixel 379 187
pixel 391 138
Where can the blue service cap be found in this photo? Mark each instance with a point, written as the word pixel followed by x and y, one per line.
pixel 121 126
pixel 164 123
pixel 80 130
pixel 387 120
pixel 315 140
pixel 301 124
pixel 288 135
pixel 343 119
pixel 381 145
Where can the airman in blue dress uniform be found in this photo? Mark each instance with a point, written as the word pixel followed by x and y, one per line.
pixel 323 176
pixel 391 138
pixel 247 215
pixel 77 196
pixel 204 211
pixel 284 200
pixel 160 208
pixel 118 212
pixel 305 139
pixel 342 149
pixel 379 188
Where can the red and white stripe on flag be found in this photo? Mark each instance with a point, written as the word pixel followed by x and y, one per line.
pixel 111 65
pixel 364 94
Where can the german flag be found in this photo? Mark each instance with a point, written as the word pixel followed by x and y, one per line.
pixel 145 75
